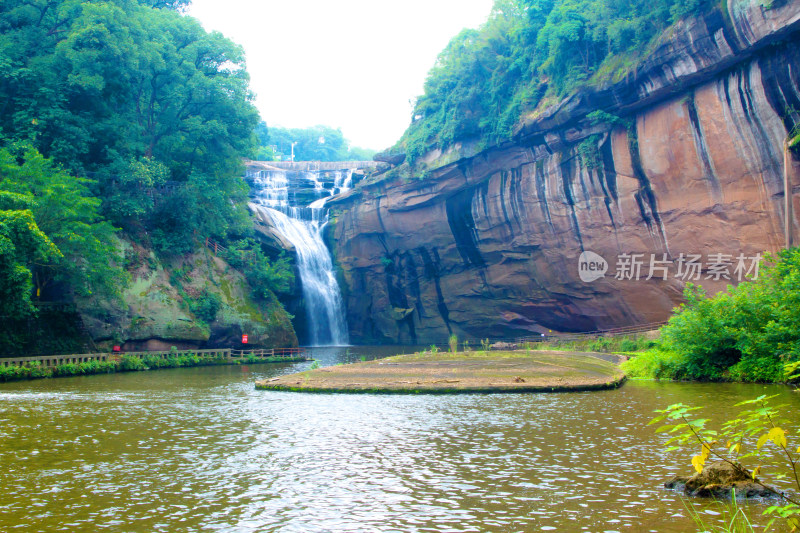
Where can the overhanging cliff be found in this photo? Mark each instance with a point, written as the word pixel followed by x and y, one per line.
pixel 687 158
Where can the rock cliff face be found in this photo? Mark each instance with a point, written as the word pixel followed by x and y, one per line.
pixel 156 311
pixel 687 159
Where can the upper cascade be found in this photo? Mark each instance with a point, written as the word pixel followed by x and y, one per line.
pixel 294 202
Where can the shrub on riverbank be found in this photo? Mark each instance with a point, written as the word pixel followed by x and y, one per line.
pixel 746 334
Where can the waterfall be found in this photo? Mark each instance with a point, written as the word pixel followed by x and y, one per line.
pixel 302 225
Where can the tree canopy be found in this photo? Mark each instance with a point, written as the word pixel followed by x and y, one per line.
pixel 144 101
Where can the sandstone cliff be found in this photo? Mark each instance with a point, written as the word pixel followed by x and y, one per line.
pixel 687 159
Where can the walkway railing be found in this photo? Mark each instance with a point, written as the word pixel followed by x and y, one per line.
pixel 232 355
pixel 614 332
pixel 55 360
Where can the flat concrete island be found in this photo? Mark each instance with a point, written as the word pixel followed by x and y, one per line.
pixel 446 373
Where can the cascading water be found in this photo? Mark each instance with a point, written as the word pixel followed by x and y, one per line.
pixel 302 225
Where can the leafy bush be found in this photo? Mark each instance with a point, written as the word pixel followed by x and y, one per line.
pixel 263 275
pixel 131 363
pixel 652 364
pixel 747 334
pixel 742 438
pixel 453 342
pixel 628 345
pixel 206 306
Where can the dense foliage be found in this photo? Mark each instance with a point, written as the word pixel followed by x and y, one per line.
pixel 139 98
pixel 746 334
pixel 528 53
pixel 68 215
pixel 318 143
pixel 116 114
pixel 264 275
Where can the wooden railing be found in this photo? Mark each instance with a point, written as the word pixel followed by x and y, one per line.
pixel 282 353
pixel 55 360
pixel 289 354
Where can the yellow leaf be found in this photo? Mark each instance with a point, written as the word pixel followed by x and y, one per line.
pixel 698 461
pixel 778 436
pixel 762 440
pixel 756 471
pixel 705 452
pixel 737 448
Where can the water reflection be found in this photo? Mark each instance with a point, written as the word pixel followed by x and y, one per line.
pixel 201 450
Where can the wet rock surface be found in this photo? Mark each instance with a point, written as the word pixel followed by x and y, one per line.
pixel 720 480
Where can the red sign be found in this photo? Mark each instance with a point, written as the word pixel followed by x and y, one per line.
pixel 244 339
pixel 116 348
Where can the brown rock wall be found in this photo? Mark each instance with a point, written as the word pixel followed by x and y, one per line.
pixel 488 246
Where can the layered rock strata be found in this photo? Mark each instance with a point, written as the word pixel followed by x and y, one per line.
pixel 687 159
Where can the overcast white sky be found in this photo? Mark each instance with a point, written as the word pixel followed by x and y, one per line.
pixel 353 64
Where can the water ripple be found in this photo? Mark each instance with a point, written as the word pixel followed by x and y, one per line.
pixel 201 450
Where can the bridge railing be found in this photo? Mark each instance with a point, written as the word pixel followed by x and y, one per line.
pixel 314 165
pixel 280 353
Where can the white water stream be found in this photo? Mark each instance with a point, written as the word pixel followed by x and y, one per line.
pixel 302 225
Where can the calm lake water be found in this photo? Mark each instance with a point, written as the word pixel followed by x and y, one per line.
pixel 201 450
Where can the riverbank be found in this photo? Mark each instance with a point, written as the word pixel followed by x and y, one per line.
pixel 448 373
pixel 130 363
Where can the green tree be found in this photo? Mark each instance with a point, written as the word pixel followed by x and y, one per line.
pixel 265 276
pixel 62 209
pixel 22 245
pixel 98 85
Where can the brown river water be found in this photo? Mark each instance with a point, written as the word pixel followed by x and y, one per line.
pixel 200 449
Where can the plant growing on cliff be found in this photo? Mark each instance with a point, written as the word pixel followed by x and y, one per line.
pixel 453 342
pixel 529 54
pixel 485 346
pixel 206 306
pixel 263 275
pixel 742 438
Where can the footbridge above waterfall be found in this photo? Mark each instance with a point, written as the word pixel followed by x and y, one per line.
pixel 308 166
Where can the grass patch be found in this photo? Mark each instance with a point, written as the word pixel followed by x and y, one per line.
pixel 655 363
pixel 448 372
pixel 622 344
